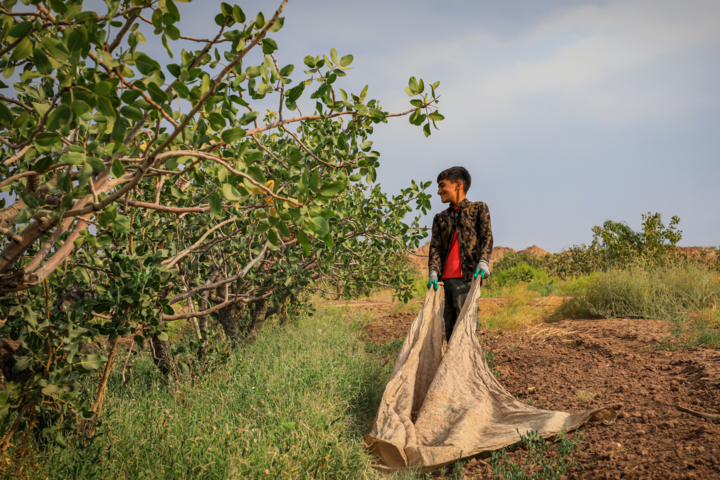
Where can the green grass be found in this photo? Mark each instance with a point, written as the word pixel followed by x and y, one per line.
pixel 293 405
pixel 387 350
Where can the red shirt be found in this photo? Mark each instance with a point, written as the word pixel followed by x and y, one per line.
pixel 452 264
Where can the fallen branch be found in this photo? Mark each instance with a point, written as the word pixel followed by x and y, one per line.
pixel 706 416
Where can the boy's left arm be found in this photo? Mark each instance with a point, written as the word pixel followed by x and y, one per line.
pixel 483 227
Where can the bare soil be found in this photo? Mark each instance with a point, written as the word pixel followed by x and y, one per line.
pixel 575 365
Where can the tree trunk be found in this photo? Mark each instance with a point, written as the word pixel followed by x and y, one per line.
pixel 7 361
pixel 205 304
pixel 228 319
pixel 258 318
pixel 161 354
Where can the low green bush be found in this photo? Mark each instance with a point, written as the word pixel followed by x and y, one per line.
pixel 663 293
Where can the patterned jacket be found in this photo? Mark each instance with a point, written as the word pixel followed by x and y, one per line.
pixel 475 239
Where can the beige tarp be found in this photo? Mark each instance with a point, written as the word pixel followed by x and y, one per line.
pixel 462 409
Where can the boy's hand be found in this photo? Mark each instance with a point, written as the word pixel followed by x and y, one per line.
pixel 433 280
pixel 482 269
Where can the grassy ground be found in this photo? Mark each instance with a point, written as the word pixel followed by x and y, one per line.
pixel 293 405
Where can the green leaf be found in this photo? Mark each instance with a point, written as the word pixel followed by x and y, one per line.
pixel 77 40
pixel 157 93
pixel 22 50
pixel 107 216
pixel 330 189
pixel 269 46
pixel 79 107
pixel 346 60
pixel 436 116
pixel 272 237
pixel 216 204
pixel 172 10
pixel 101 89
pixel 6 116
pixel 287 70
pixel 41 62
pixel 260 20
pixel 205 84
pixel 117 169
pixel 328 239
pixel 84 174
pixel 24 216
pixel 283 229
pixel 257 174
pixel 303 239
pixel 56 48
pixel 30 200
pixel 105 106
pixel 42 165
pixel 426 129
pixel 279 23
pixel 217 121
pixel 319 225
pixel 92 362
pixel 96 164
pixel 59 117
pixel 333 55
pixel 145 64
pixel 248 118
pixel 182 90
pixel 20 29
pixel 73 158
pixel 121 224
pixel 413 84
pixel 232 135
pixel 131 112
pixel 162 336
pixel 237 14
pixel 46 139
pixel 231 194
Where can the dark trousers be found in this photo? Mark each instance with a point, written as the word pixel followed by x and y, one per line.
pixel 456 291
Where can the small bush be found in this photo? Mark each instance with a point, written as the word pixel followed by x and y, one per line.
pixel 663 293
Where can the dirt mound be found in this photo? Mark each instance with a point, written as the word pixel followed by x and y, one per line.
pixel 419 260
pixel 498 253
pixel 697 253
pixel 535 250
pixel 574 365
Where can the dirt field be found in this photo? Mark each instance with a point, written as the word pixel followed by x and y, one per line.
pixel 580 364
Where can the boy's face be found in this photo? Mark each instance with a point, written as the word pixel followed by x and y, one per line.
pixel 448 190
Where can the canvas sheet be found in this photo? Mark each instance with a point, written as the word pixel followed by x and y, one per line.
pixel 462 409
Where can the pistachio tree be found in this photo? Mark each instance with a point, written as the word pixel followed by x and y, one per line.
pixel 137 194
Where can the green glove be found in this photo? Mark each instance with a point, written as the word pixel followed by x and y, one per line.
pixel 482 269
pixel 433 280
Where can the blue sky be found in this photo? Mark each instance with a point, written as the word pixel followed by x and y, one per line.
pixel 566 113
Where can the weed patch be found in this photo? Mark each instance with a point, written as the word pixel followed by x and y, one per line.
pixel 540 459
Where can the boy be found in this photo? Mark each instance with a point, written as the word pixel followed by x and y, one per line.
pixel 461 243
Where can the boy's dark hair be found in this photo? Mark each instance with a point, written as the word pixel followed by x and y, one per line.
pixel 454 174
